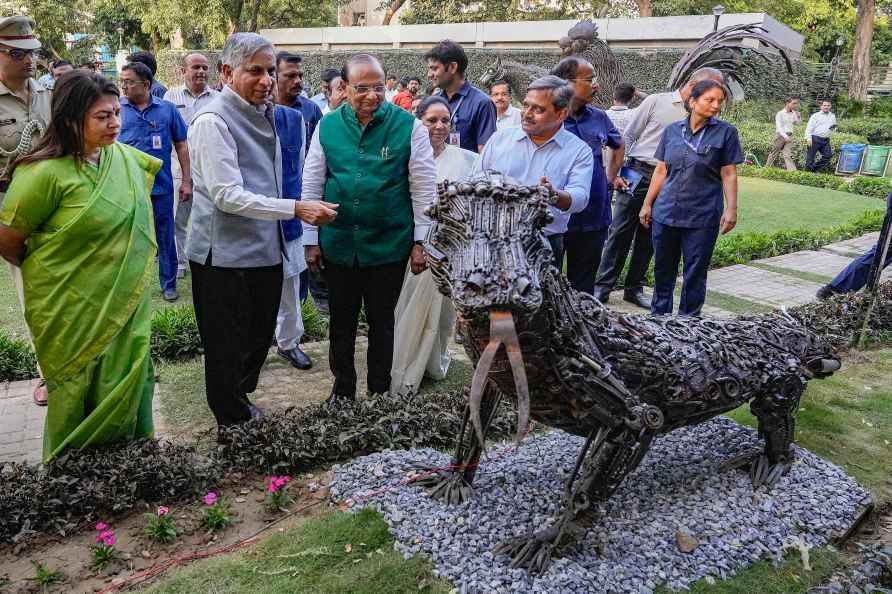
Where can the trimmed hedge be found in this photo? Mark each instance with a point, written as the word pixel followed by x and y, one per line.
pixel 745 247
pixel 873 187
pixel 875 130
pixel 17 360
pixel 758 138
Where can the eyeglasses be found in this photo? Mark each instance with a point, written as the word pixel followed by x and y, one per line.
pixel 130 83
pixel 363 89
pixel 19 54
pixel 590 80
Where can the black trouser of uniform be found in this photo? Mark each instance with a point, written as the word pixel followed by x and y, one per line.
pixel 626 228
pixel 583 249
pixel 236 311
pixel 349 288
pixel 818 145
pixel 556 242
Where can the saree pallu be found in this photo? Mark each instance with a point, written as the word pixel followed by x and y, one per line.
pixel 87 304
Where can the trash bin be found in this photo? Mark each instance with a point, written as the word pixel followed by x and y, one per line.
pixel 875 160
pixel 850 157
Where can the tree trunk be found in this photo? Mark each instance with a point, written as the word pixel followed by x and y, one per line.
pixel 255 14
pixel 859 77
pixel 645 8
pixel 156 41
pixel 235 17
pixel 394 6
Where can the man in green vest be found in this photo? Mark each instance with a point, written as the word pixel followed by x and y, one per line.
pixel 375 161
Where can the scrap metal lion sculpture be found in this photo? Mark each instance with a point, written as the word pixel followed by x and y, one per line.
pixel 618 380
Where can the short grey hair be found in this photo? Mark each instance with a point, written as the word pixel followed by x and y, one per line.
pixel 707 73
pixel 241 47
pixel 561 91
pixel 356 60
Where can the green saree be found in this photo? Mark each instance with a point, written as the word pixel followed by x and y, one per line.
pixel 86 271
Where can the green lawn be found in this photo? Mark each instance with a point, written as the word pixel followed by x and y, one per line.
pixel 768 206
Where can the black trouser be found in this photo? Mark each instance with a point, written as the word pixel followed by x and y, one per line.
pixel 236 310
pixel 583 249
pixel 349 288
pixel 625 229
pixel 818 145
pixel 556 242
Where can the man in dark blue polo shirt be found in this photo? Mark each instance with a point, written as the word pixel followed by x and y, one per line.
pixel 587 230
pixel 289 83
pixel 154 126
pixel 473 112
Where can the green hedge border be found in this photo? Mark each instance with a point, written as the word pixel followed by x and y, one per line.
pixel 872 187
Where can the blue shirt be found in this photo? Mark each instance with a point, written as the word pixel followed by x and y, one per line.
pixel 153 131
pixel 320 100
pixel 157 89
pixel 311 113
pixel 473 116
pixel 692 195
pixel 564 159
pixel 289 129
pixel 596 130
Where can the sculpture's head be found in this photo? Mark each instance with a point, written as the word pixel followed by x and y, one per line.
pixel 487 251
pixel 492 74
pixel 488 254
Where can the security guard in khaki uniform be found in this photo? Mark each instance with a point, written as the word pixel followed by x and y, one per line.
pixel 24 111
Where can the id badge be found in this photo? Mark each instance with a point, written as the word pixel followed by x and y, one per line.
pixel 455 138
pixel 156 141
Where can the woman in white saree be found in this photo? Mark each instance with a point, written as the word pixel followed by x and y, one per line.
pixel 424 318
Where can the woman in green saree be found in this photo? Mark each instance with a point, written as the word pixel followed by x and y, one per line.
pixel 77 219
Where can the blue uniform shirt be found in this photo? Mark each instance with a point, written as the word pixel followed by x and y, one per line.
pixel 596 130
pixel 157 89
pixel 153 131
pixel 290 130
pixel 311 113
pixel 473 116
pixel 692 195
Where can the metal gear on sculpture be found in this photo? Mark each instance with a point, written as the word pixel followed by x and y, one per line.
pixel 618 380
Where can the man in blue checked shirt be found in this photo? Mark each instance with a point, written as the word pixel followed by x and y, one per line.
pixel 587 230
pixel 541 151
pixel 154 126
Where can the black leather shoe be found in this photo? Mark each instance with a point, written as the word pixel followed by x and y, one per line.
pixel 338 400
pixel 296 357
pixel 826 292
pixel 637 298
pixel 602 296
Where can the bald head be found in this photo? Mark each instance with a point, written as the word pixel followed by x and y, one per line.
pixel 359 65
pixel 195 72
pixel 699 75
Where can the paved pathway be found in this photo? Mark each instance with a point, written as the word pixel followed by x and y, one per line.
pixel 781 281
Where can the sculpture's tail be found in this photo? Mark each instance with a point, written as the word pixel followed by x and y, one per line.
pixel 501 332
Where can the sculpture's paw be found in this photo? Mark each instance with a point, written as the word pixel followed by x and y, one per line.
pixel 446 486
pixel 764 473
pixel 532 552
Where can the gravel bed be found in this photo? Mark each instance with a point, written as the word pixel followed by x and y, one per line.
pixel 636 545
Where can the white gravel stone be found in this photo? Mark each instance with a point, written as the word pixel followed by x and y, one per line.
pixel 633 548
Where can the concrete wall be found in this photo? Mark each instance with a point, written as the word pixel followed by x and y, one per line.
pixel 640 33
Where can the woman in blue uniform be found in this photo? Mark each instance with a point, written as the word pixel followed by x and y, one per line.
pixel 692 198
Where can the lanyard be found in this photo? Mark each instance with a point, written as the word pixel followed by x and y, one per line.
pixel 696 149
pixel 454 112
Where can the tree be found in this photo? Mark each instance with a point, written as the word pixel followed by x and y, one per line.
pixel 390 10
pixel 859 76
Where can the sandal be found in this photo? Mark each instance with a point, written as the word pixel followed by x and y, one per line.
pixel 40 394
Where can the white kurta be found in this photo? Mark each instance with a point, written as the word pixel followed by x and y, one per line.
pixel 424 318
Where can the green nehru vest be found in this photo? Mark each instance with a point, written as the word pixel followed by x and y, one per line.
pixel 368 176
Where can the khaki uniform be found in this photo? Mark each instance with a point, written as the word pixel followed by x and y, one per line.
pixel 18 117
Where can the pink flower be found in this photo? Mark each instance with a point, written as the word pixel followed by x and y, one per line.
pixel 101 526
pixel 210 498
pixel 162 511
pixel 109 540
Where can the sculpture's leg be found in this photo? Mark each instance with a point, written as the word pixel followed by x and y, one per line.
pixel 775 411
pixel 453 485
pixel 605 460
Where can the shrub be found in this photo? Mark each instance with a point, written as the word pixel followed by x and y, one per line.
pixel 879 107
pixel 758 139
pixel 803 178
pixel 175 333
pixel 878 187
pixel 875 130
pixel 17 360
pixel 315 323
pixel 751 110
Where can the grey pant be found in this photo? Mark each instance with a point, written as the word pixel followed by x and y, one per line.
pixel 783 147
pixel 181 230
